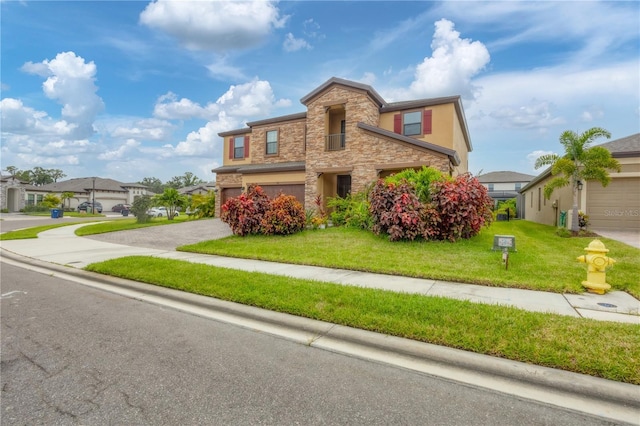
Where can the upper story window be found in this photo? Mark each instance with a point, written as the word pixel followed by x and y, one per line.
pixel 490 187
pixel 272 142
pixel 518 186
pixel 238 147
pixel 413 123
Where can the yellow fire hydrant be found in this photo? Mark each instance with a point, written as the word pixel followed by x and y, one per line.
pixel 597 261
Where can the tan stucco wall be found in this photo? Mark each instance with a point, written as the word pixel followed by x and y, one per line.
pixel 443 117
pixel 540 210
pixel 273 178
pixel 225 151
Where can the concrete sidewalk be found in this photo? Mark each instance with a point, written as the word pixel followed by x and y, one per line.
pixel 61 246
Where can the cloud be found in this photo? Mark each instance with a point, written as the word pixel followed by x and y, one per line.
pixel 121 152
pixel 170 108
pixel 253 99
pixel 535 114
pixel 222 70
pixel 70 82
pixel 150 129
pixel 453 63
pixel 292 44
pixel 214 25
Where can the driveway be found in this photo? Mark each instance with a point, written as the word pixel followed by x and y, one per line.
pixel 168 237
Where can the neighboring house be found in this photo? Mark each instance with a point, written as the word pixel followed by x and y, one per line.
pixel 505 185
pixel 108 192
pixel 348 137
pixel 202 188
pixel 614 207
pixel 12 193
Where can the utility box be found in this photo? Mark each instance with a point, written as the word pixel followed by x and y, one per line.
pixel 504 242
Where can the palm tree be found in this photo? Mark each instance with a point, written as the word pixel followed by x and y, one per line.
pixel 579 162
pixel 171 199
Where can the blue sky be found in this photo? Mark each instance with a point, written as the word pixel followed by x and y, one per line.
pixel 128 90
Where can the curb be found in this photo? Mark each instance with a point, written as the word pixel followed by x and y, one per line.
pixel 550 379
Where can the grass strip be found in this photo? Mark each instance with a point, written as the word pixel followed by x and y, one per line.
pixel 543 261
pixel 23 234
pixel 597 348
pixel 127 224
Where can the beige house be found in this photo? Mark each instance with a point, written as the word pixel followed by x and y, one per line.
pixel 348 137
pixel 614 207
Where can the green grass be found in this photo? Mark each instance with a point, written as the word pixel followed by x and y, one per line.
pixel 543 260
pixel 22 234
pixel 127 224
pixel 597 348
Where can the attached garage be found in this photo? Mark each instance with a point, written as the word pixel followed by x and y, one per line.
pixel 615 207
pixel 297 190
pixel 227 193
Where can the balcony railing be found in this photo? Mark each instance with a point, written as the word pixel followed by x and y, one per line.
pixel 334 142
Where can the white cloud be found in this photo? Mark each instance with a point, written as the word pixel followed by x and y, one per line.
pixel 222 70
pixel 453 63
pixel 70 82
pixel 535 114
pixel 214 25
pixel 170 108
pixel 253 99
pixel 149 129
pixel 120 152
pixel 292 44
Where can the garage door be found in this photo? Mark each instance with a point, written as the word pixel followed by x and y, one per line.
pixel 229 193
pixel 615 207
pixel 297 190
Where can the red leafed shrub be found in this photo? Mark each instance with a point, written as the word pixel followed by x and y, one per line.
pixel 285 216
pixel 244 213
pixel 463 208
pixel 396 211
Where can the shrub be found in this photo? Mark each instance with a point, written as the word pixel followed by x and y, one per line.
pixel 139 208
pixel 507 207
pixel 285 216
pixel 51 201
pixel 583 220
pixel 351 211
pixel 245 212
pixel 463 207
pixel 203 205
pixel 396 211
pixel 421 180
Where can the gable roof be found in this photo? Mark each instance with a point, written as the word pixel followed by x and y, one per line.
pixel 347 83
pixel 504 177
pixel 453 155
pixel 84 185
pixel 624 147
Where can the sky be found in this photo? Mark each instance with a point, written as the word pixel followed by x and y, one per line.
pixel 134 89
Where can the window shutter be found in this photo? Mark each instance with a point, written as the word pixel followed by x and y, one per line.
pixel 246 146
pixel 397 123
pixel 231 148
pixel 426 122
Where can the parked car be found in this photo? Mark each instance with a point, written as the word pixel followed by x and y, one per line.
pixel 88 204
pixel 119 207
pixel 160 212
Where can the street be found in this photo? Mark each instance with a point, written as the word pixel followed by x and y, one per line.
pixel 76 355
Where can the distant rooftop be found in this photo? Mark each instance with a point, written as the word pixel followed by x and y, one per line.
pixel 504 177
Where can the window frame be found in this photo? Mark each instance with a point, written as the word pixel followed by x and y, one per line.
pixel 420 114
pixel 272 143
pixel 236 147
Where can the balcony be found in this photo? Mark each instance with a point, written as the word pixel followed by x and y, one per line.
pixel 334 142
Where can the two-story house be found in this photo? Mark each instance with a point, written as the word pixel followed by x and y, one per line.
pixel 348 137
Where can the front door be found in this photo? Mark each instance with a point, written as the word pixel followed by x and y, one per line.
pixel 344 185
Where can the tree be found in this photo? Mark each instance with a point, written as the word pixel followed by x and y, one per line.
pixel 154 184
pixel 51 201
pixel 56 174
pixel 39 176
pixel 580 162
pixel 171 199
pixel 12 170
pixel 188 179
pixel 67 195
pixel 140 206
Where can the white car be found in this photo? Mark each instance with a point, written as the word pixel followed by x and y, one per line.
pixel 160 212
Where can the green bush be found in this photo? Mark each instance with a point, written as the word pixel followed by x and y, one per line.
pixel 38 208
pixel 421 180
pixel 351 211
pixel 139 208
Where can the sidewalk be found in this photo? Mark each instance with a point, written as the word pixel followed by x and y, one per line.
pixel 61 246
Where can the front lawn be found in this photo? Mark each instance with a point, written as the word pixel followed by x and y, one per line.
pixel 543 260
pixel 598 348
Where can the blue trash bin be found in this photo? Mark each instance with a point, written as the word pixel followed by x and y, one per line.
pixel 55 213
pixel 125 212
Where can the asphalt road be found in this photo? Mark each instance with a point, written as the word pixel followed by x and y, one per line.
pixel 76 355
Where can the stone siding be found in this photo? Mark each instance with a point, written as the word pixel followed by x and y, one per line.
pixel 290 143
